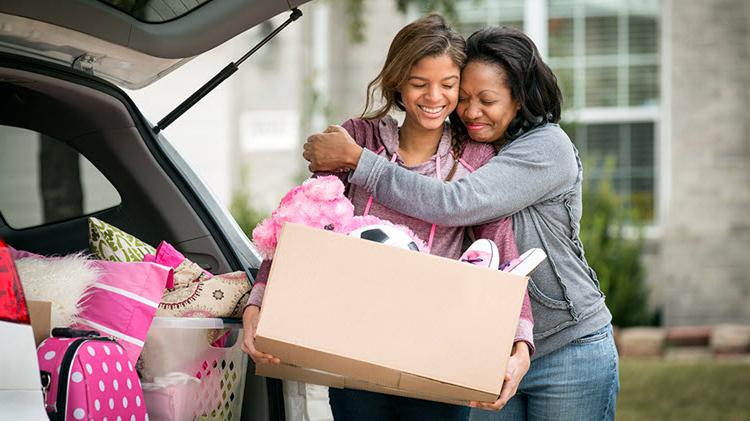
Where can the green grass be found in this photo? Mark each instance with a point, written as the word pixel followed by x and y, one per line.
pixel 676 390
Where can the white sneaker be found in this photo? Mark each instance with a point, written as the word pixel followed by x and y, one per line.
pixel 482 252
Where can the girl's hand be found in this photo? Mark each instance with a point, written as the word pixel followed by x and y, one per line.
pixel 250 318
pixel 332 150
pixel 518 366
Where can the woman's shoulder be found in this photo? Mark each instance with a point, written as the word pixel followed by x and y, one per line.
pixel 550 133
pixel 547 142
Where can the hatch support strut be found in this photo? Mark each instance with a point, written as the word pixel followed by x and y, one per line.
pixel 220 77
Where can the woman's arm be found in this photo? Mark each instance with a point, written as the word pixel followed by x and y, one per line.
pixel 535 167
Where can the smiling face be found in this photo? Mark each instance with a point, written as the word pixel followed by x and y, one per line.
pixel 430 93
pixel 485 103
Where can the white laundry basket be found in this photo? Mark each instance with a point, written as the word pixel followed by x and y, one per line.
pixel 184 345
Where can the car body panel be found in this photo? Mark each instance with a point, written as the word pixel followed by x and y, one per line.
pixel 111 44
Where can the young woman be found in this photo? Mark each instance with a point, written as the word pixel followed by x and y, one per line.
pixel 511 98
pixel 421 78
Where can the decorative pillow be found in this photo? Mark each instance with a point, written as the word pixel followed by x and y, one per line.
pixel 185 272
pixel 60 280
pixel 220 296
pixel 123 301
pixel 108 242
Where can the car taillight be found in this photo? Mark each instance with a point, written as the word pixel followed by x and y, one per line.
pixel 12 302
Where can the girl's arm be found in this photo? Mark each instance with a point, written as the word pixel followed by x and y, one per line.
pixel 501 232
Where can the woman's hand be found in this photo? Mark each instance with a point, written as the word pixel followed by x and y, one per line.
pixel 518 366
pixel 250 319
pixel 332 150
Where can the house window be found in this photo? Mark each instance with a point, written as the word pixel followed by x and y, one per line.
pixel 623 153
pixel 605 54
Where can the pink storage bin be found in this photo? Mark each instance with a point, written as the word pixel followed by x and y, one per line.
pixel 182 345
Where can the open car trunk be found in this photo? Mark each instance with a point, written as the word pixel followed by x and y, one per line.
pixel 160 198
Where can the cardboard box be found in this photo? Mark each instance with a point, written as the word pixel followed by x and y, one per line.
pixel 374 317
pixel 40 313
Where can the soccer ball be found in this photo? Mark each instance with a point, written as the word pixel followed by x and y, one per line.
pixel 386 234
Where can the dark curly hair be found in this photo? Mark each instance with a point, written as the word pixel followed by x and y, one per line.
pixel 532 84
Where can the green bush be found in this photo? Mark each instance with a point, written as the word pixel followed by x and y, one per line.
pixel 613 248
pixel 240 206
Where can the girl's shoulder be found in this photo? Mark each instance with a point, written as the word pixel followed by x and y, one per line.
pixel 477 154
pixel 367 132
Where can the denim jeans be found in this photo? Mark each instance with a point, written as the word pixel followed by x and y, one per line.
pixel 578 382
pixel 358 405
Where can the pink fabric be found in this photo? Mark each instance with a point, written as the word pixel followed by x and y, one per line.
pixel 102 382
pixel 126 316
pixel 174 402
pixel 466 164
pixel 20 254
pixel 167 255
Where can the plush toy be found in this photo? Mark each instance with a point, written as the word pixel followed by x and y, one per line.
pixel 320 203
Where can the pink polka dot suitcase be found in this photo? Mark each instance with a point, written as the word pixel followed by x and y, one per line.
pixel 89 378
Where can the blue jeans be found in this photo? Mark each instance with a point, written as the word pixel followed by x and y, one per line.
pixel 358 405
pixel 578 382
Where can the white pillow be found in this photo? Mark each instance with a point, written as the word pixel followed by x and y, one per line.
pixel 60 280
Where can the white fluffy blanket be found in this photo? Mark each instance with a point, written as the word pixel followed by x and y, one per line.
pixel 60 280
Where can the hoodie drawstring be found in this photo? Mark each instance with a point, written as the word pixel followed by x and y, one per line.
pixel 437 174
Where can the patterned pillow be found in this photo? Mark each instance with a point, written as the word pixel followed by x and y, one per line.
pixel 110 243
pixel 220 296
pixel 186 271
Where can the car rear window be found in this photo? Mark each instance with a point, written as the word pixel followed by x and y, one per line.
pixel 156 11
pixel 43 180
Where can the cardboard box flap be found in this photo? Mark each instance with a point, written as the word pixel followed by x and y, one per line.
pixel 406 311
pixel 299 374
pixel 354 384
pixel 40 313
pixel 415 387
pixel 411 383
pixel 328 362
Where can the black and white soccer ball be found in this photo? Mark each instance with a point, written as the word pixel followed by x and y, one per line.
pixel 386 234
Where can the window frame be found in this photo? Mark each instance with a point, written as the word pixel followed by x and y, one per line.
pixel 536 19
pixel 9 223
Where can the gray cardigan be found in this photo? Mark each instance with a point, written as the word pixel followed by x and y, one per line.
pixel 537 180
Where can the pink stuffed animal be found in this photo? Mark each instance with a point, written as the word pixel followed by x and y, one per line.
pixel 320 203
